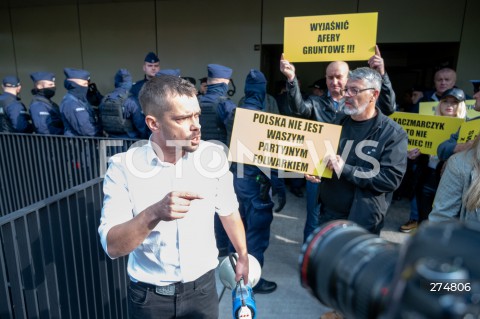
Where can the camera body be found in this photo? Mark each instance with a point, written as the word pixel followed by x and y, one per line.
pixel 434 274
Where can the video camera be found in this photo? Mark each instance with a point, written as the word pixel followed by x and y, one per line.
pixel 434 274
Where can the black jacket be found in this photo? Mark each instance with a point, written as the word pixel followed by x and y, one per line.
pixel 320 108
pixel 373 195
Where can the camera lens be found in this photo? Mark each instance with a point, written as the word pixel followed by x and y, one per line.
pixel 348 269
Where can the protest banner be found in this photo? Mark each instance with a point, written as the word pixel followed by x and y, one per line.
pixel 427 108
pixel 471 113
pixel 346 37
pixel 469 131
pixel 283 142
pixel 426 132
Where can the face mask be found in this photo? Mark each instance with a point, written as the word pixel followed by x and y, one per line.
pixel 76 90
pixel 47 92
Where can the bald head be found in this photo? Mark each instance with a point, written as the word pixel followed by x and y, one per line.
pixel 336 74
pixel 444 80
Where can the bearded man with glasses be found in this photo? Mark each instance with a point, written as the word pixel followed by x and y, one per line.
pixel 371 160
pixel 329 107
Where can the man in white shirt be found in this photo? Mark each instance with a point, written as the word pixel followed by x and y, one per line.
pixel 159 205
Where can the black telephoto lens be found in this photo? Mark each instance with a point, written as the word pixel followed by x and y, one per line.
pixel 348 269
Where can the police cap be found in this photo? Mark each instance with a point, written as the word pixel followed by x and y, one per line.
pixel 319 84
pixel 71 73
pixel 151 58
pixel 42 76
pixel 219 71
pixel 174 72
pixel 11 81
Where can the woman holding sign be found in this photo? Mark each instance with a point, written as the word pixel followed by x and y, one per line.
pixel 428 168
pixel 458 195
pixel 451 146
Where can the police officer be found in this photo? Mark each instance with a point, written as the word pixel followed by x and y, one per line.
pixel 216 108
pixel 77 114
pixel 14 117
pixel 215 105
pixel 252 187
pixel 151 65
pixel 121 116
pixel 133 110
pixel 45 113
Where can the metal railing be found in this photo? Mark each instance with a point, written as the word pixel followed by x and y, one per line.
pixel 34 167
pixel 52 264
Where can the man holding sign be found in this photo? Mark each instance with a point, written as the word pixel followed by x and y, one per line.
pixel 372 158
pixel 328 107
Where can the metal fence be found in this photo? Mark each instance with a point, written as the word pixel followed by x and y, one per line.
pixel 34 167
pixel 52 264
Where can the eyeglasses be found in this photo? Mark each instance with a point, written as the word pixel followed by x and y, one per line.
pixel 354 91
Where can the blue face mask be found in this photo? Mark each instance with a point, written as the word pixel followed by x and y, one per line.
pixel 80 92
pixel 219 88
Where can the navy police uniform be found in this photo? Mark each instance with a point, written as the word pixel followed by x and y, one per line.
pixel 77 114
pixel 137 86
pixel 45 113
pixel 130 122
pixel 252 189
pixel 132 109
pixel 256 208
pixel 216 107
pixel 14 117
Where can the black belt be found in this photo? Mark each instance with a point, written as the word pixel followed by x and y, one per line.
pixel 177 287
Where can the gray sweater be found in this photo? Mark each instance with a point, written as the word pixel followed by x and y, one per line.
pixel 455 182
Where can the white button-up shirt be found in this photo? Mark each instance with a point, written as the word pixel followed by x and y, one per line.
pixel 180 250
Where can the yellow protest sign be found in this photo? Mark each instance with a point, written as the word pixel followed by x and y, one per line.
pixel 428 108
pixel 471 113
pixel 469 131
pixel 283 142
pixel 426 132
pixel 346 37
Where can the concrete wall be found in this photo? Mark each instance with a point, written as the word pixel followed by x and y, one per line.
pixel 406 21
pixel 103 36
pixel 468 67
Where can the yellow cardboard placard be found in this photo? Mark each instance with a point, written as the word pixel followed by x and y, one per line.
pixel 469 131
pixel 283 142
pixel 428 108
pixel 426 132
pixel 346 37
pixel 471 113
